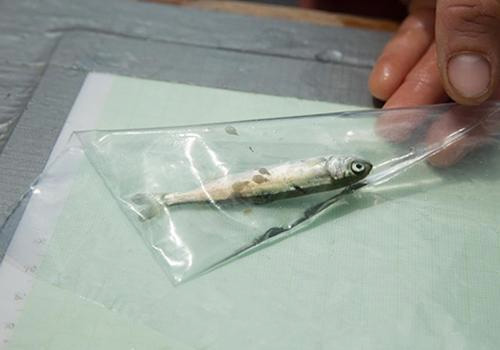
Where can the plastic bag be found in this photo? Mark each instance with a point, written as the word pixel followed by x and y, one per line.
pixel 414 249
pixel 141 166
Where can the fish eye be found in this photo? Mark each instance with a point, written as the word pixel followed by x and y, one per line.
pixel 357 167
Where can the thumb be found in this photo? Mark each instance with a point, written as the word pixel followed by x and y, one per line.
pixel 468 48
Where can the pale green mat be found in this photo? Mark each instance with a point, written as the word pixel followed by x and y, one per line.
pixel 385 278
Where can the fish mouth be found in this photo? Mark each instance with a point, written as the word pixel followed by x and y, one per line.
pixel 369 167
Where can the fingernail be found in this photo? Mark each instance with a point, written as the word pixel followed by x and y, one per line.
pixel 469 74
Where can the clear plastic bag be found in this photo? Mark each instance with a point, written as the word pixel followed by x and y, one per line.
pixel 414 249
pixel 141 166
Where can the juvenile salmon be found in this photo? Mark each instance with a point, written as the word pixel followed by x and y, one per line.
pixel 265 184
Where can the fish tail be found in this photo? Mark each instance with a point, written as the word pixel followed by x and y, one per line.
pixel 147 205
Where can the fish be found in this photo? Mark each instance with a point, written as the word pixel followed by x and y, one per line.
pixel 265 184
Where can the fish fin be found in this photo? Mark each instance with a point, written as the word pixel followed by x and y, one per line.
pixel 300 189
pixel 146 205
pixel 257 200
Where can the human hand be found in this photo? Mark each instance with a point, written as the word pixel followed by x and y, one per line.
pixel 444 49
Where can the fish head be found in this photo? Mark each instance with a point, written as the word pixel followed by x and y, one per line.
pixel 348 170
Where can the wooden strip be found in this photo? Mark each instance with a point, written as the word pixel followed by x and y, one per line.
pixel 287 13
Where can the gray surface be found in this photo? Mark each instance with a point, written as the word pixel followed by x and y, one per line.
pixel 30 30
pixel 62 41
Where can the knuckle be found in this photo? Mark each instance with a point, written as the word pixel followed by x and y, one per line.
pixel 471 18
pixel 422 20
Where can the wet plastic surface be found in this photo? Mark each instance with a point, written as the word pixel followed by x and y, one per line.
pixel 230 168
pixel 417 247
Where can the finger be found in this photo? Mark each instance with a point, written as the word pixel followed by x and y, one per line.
pixel 422 86
pixel 397 125
pixel 416 5
pixel 402 53
pixel 468 46
pixel 472 129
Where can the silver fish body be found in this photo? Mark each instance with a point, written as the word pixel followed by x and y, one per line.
pixel 270 183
